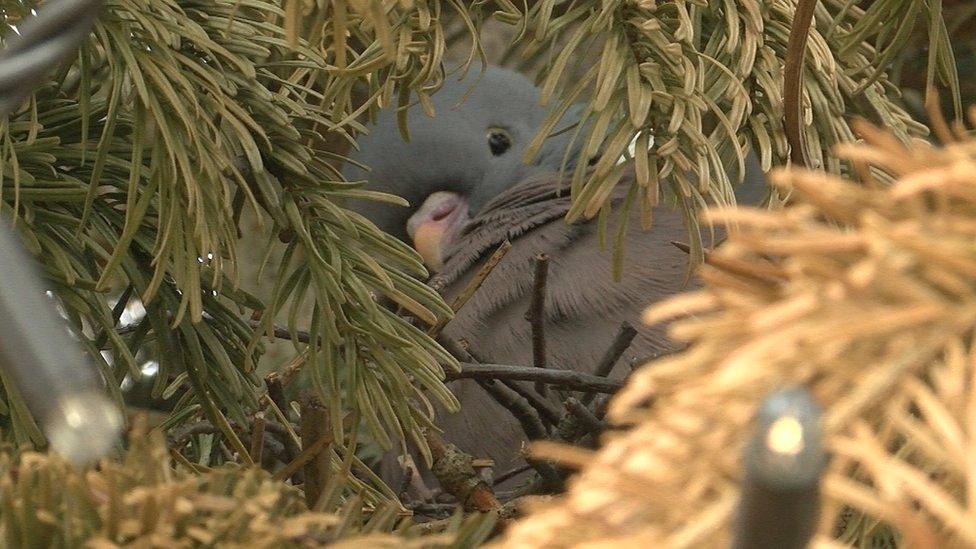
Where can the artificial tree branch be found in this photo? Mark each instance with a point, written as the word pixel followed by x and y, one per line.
pixel 793 81
pixel 765 273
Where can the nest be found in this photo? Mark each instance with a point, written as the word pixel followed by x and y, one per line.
pixel 862 292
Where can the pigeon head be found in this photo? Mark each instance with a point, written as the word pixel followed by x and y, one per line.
pixel 456 161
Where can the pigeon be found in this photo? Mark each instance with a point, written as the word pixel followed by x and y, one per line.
pixel 463 174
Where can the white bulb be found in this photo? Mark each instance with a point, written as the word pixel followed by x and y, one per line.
pixel 84 427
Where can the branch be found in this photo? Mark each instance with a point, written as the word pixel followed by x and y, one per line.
pixel 625 336
pixel 314 425
pixel 586 419
pixel 518 406
pixel 537 317
pixel 455 471
pixel 568 379
pixel 547 411
pixel 437 284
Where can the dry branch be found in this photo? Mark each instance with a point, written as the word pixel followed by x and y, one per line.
pixel 566 379
pixel 536 315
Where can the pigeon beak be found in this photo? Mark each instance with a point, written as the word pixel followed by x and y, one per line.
pixel 435 225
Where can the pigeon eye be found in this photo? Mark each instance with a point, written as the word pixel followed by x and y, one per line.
pixel 499 141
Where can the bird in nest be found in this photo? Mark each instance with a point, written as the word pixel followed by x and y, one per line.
pixel 469 190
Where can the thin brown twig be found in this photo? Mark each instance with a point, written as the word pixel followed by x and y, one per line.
pixel 456 474
pixel 314 426
pixel 276 389
pixel 621 342
pixel 281 332
pixel 537 317
pixel 471 287
pixel 586 419
pixel 180 458
pixel 548 412
pixel 566 379
pixel 456 349
pixel 526 415
pixel 513 473
pixel 257 437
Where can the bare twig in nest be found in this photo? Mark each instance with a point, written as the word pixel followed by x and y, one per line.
pixel 513 473
pixel 586 418
pixel 526 415
pixel 455 471
pixel 536 316
pixel 471 287
pixel 625 336
pixel 793 81
pixel 257 437
pixel 315 427
pixel 546 409
pixel 276 389
pixel 531 425
pixel 457 350
pixel 567 379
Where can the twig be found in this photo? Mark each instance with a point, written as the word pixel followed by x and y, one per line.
pixel 257 437
pixel 793 81
pixel 600 407
pixel 456 349
pixel 281 444
pixel 587 419
pixel 623 339
pixel 432 509
pixel 276 389
pixel 518 406
pixel 471 287
pixel 290 370
pixel 513 473
pixel 530 422
pixel 314 426
pixel 537 317
pixel 547 411
pixel 568 379
pixel 456 474
pixel 195 467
